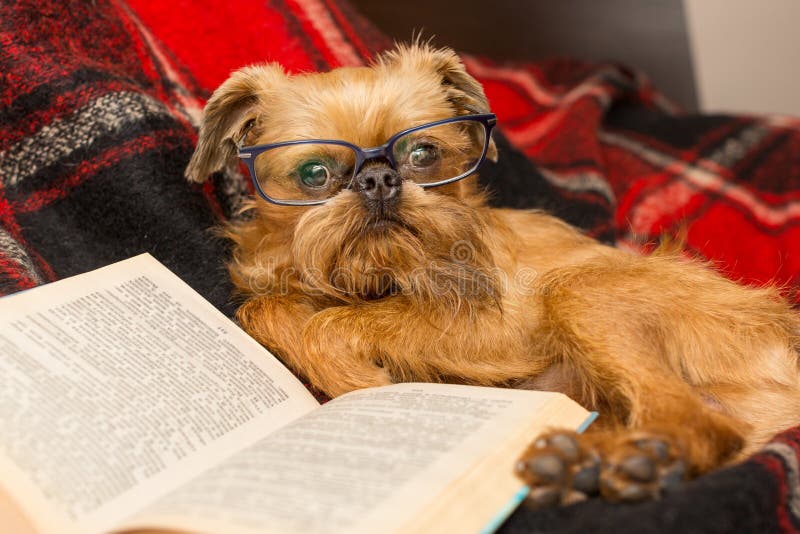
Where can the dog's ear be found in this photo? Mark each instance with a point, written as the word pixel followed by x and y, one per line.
pixel 228 114
pixel 463 91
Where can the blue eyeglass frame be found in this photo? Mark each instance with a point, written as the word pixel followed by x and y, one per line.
pixel 248 154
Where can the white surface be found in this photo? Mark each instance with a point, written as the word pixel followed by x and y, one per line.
pixel 746 54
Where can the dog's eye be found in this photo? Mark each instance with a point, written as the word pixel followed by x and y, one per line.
pixel 314 174
pixel 423 155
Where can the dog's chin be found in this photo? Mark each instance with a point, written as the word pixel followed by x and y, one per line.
pixel 383 224
pixel 346 252
pixel 390 225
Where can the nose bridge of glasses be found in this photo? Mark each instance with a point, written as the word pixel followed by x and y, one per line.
pixel 376 152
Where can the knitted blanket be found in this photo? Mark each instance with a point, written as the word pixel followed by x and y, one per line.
pixel 99 103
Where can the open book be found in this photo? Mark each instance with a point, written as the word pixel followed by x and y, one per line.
pixel 130 404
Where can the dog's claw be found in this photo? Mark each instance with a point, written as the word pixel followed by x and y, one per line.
pixel 587 479
pixel 567 445
pixel 544 497
pixel 656 447
pixel 639 468
pixel 673 476
pixel 548 468
pixel 572 497
pixel 633 493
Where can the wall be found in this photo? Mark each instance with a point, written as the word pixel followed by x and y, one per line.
pixel 648 34
pixel 746 54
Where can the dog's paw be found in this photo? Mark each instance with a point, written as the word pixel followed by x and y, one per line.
pixel 562 468
pixel 559 470
pixel 641 466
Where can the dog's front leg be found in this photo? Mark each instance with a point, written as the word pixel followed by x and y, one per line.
pixel 326 346
pixel 341 349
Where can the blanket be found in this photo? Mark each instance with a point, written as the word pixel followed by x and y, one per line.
pixel 99 103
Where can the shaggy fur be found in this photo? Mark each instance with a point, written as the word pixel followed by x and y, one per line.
pixel 689 370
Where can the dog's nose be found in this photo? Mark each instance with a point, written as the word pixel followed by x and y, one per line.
pixel 379 185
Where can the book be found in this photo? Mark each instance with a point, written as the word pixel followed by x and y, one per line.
pixel 128 403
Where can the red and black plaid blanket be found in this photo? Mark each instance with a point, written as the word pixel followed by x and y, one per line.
pixel 98 107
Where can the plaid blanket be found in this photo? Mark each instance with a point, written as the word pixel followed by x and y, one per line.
pixel 98 108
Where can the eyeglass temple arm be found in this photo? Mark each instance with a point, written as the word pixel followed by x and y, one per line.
pixel 245 131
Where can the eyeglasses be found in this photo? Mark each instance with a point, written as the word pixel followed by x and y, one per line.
pixel 308 172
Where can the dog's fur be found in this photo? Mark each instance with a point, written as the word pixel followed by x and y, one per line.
pixel 451 290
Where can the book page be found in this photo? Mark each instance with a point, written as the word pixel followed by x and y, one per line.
pixel 118 385
pixel 368 461
pixel 490 490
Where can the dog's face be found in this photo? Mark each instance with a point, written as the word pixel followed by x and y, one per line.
pixel 380 231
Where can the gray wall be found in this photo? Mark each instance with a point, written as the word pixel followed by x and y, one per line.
pixel 650 35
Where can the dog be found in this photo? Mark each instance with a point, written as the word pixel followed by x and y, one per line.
pixel 371 257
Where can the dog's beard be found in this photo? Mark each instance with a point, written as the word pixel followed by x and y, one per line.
pixel 431 250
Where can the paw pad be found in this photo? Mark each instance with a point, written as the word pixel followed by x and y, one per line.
pixel 561 469
pixel 642 468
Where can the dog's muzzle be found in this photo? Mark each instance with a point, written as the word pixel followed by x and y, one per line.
pixel 379 186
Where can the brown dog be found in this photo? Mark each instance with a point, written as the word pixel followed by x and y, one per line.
pixel 370 276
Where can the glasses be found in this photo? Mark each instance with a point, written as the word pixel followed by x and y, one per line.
pixel 308 172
